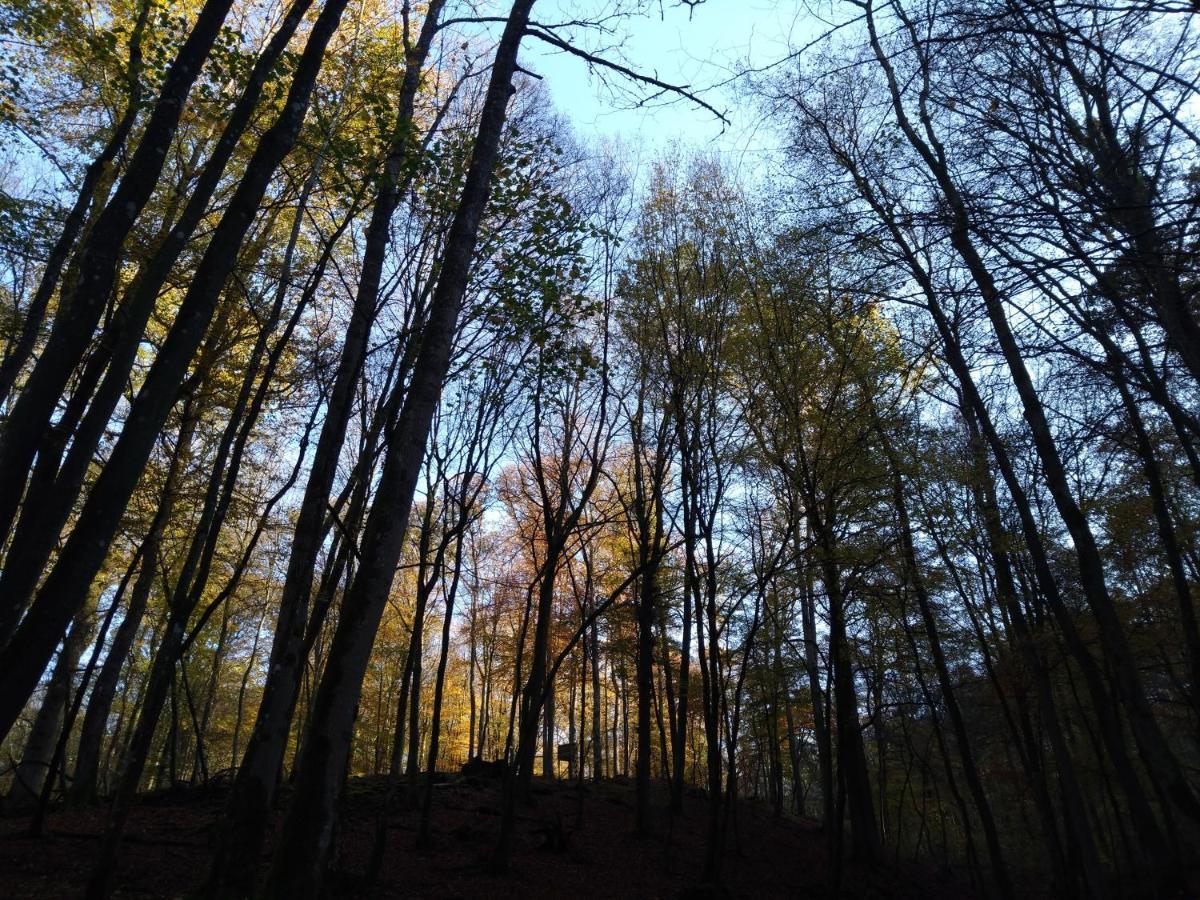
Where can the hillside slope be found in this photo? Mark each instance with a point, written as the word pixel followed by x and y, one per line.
pixel 167 850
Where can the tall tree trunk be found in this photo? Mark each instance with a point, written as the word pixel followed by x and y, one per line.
pixel 851 756
pixel 1168 537
pixel 96 263
pixel 535 685
pixel 942 669
pixel 1161 762
pixel 68 581
pixel 647 601
pixel 122 337
pixel 435 727
pixel 1081 844
pixel 1147 828
pixel 108 498
pixel 821 729
pixel 88 196
pixel 597 710
pixel 302 852
pixel 708 655
pixel 649 475
pixel 679 737
pixel 549 736
pixel 236 860
pixel 95 719
pixel 34 766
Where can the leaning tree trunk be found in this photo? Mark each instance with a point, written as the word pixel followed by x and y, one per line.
pixel 1080 841
pixel 68 581
pixel 1168 537
pixel 303 849
pixel 108 498
pixel 90 192
pixel 32 771
pixel 37 534
pixel 236 860
pixel 1147 826
pixel 1161 762
pixel 96 263
pixel 942 669
pixel 95 719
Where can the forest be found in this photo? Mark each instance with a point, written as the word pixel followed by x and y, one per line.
pixel 405 492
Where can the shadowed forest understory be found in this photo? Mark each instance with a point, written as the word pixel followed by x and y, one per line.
pixel 574 839
pixel 407 492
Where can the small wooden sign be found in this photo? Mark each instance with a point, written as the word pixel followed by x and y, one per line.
pixel 566 752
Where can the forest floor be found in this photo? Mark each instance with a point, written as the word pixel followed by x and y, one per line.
pixel 168 842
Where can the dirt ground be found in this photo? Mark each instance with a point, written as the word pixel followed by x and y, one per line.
pixel 168 842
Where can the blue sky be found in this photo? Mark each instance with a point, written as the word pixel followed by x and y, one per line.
pixel 703 49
